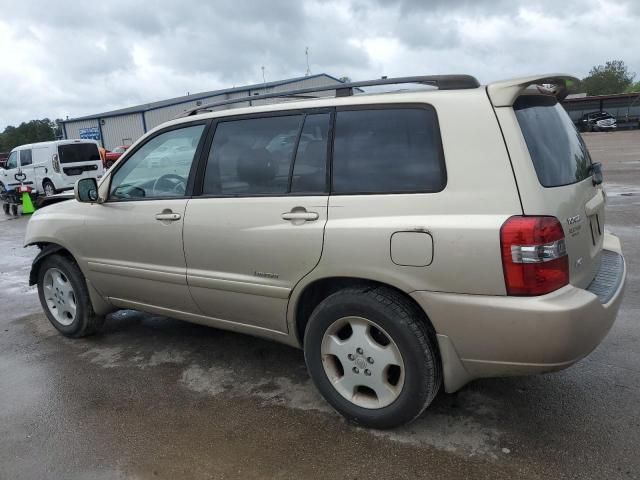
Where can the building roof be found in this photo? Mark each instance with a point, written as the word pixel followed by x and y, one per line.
pixel 620 96
pixel 193 97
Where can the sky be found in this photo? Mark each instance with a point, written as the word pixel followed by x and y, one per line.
pixel 68 58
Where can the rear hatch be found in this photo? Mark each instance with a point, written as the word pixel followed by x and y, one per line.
pixel 80 159
pixel 564 170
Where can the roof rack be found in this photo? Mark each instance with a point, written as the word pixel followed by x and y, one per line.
pixel 442 82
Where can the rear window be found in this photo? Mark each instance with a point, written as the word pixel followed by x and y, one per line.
pixel 78 152
pixel 559 154
pixel 387 151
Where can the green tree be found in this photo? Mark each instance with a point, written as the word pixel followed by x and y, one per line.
pixel 634 87
pixel 27 132
pixel 612 77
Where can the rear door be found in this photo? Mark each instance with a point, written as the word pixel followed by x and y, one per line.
pixel 257 228
pixel 554 174
pixel 79 159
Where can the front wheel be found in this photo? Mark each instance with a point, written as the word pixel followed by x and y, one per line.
pixel 65 299
pixel 372 355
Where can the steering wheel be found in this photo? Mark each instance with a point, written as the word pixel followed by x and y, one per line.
pixel 173 181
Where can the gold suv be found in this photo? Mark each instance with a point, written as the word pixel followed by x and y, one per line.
pixel 406 240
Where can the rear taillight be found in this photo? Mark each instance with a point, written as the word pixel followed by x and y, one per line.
pixel 534 255
pixel 56 163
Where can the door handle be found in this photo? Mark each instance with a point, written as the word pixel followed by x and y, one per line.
pixel 168 216
pixel 301 215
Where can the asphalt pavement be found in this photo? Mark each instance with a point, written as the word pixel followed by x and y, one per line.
pixel 153 397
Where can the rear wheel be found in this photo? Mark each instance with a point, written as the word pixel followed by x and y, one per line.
pixel 372 355
pixel 48 188
pixel 65 299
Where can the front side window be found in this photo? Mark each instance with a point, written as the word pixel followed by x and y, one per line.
pixel 252 156
pixel 12 162
pixel 559 155
pixel 387 151
pixel 160 168
pixel 25 158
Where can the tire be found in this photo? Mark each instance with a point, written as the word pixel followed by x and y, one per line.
pixel 14 210
pixel 57 276
pixel 109 164
pixel 5 207
pixel 375 316
pixel 49 188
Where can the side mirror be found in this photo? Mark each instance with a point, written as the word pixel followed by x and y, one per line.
pixel 86 190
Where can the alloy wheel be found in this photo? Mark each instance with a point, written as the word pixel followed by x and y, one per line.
pixel 362 362
pixel 60 296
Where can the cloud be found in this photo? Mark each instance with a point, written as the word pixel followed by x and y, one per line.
pixel 75 58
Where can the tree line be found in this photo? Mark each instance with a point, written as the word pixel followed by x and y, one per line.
pixel 611 78
pixel 28 132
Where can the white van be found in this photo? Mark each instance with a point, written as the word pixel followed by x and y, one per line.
pixel 51 167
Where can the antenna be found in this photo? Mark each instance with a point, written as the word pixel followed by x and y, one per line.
pixel 306 54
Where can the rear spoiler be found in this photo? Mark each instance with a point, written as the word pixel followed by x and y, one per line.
pixel 505 93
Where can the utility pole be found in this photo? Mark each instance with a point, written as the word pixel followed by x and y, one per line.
pixel 264 80
pixel 306 54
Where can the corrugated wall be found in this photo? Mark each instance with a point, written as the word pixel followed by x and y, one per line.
pixel 73 128
pixel 127 129
pixel 122 130
pixel 161 115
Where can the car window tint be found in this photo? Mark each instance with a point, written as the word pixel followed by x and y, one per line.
pixel 387 151
pixel 252 156
pixel 25 158
pixel 559 155
pixel 160 168
pixel 79 152
pixel 310 166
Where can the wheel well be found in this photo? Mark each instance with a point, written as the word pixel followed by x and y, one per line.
pixel 47 249
pixel 47 179
pixel 317 291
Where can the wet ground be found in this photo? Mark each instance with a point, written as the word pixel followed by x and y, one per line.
pixel 152 397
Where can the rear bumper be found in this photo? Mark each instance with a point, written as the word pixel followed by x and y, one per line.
pixel 487 336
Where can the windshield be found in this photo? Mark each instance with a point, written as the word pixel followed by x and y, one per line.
pixel 559 155
pixel 78 152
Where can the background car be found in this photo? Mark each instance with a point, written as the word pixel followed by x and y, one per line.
pixel 112 155
pixel 3 159
pixel 597 122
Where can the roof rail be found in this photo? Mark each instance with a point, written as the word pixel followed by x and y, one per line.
pixel 442 82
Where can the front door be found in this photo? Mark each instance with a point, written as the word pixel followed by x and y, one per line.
pixel 25 161
pixel 257 228
pixel 8 173
pixel 134 240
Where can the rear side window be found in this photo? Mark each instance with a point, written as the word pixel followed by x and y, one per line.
pixel 557 150
pixel 387 151
pixel 78 152
pixel 252 156
pixel 25 158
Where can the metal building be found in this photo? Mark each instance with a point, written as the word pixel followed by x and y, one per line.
pixel 126 125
